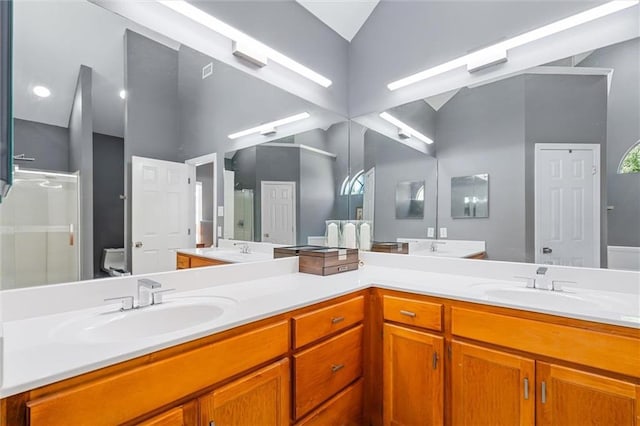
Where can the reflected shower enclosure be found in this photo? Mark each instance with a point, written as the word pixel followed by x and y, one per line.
pixel 39 241
pixel 470 196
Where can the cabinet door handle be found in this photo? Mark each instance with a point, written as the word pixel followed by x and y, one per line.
pixel 336 367
pixel 336 320
pixel 435 360
pixel 407 313
pixel 212 423
pixel 526 388
pixel 543 393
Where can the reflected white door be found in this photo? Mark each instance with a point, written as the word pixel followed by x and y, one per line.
pixel 278 212
pixel 567 204
pixel 229 213
pixel 368 198
pixel 159 213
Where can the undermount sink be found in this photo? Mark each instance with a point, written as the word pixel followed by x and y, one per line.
pixel 172 315
pixel 556 300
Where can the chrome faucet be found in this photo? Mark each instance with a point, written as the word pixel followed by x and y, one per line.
pixel 434 245
pixel 541 281
pixel 244 247
pixel 145 287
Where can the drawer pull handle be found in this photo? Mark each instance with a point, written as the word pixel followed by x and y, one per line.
pixel 336 320
pixel 408 313
pixel 343 268
pixel 435 360
pixel 526 388
pixel 543 393
pixel 336 367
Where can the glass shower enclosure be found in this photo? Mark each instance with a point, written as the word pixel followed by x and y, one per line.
pixel 39 241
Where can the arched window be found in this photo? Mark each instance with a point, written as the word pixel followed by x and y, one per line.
pixel 353 186
pixel 631 160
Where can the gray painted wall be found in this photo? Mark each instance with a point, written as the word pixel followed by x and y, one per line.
pixel 564 109
pixel 81 158
pixel 108 185
pixel 623 130
pixel 394 163
pixel 491 140
pixel 317 194
pixel 151 111
pixel 48 144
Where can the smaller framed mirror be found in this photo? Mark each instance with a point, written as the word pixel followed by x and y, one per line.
pixel 410 200
pixel 470 196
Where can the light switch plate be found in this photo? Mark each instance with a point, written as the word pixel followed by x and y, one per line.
pixel 219 231
pixel 220 210
pixel 431 232
pixel 443 232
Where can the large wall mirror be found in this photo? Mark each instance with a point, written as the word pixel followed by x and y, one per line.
pixel 553 139
pixel 121 133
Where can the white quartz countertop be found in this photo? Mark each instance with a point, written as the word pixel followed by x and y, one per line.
pixel 450 252
pixel 36 355
pixel 228 255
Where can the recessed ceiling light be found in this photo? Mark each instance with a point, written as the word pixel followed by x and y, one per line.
pixel 405 130
pixel 123 94
pixel 270 128
pixel 42 91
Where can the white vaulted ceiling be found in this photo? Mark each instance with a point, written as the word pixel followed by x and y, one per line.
pixel 345 17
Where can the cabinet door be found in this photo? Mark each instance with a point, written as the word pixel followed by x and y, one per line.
pixel 185 415
pixel 413 377
pixel 260 398
pixel 491 387
pixel 571 397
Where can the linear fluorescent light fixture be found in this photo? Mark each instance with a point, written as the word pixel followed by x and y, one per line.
pixel 497 53
pixel 404 129
pixel 238 36
pixel 270 128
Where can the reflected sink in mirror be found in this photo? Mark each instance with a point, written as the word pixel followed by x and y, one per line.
pixel 177 314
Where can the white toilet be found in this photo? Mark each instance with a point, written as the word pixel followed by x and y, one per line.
pixel 113 262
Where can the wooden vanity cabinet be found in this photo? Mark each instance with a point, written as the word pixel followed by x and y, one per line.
pixel 186 261
pixel 260 398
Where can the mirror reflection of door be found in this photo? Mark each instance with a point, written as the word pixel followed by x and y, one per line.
pixel 278 212
pixel 567 194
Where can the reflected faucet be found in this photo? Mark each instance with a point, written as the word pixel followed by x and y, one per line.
pixel 244 247
pixel 434 245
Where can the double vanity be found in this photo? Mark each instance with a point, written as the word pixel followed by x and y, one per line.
pixel 403 340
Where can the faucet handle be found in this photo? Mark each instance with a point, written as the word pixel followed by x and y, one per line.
pixel 149 283
pixel 127 302
pixel 531 282
pixel 556 285
pixel 156 296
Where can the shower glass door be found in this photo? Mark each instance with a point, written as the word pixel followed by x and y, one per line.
pixel 39 241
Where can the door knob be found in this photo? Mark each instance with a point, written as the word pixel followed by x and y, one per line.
pixel 546 250
pixel 138 244
pixel 266 235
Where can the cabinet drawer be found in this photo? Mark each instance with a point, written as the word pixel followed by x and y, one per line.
pixel 413 312
pixel 182 262
pixel 179 416
pixel 344 409
pixel 141 390
pixel 593 348
pixel 324 369
pixel 322 322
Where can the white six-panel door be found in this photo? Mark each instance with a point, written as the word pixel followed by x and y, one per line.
pixel 567 204
pixel 159 213
pixel 278 212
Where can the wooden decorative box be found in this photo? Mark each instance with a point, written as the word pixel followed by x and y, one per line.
pixel 392 247
pixel 328 261
pixel 290 251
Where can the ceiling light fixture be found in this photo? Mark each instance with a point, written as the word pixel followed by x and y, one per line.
pixel 123 94
pixel 269 128
pixel 497 53
pixel 192 12
pixel 42 91
pixel 405 131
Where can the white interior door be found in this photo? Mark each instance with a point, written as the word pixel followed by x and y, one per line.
pixel 159 213
pixel 567 204
pixel 368 198
pixel 278 212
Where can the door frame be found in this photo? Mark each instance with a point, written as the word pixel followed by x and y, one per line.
pixel 596 205
pixel 293 192
pixel 193 163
